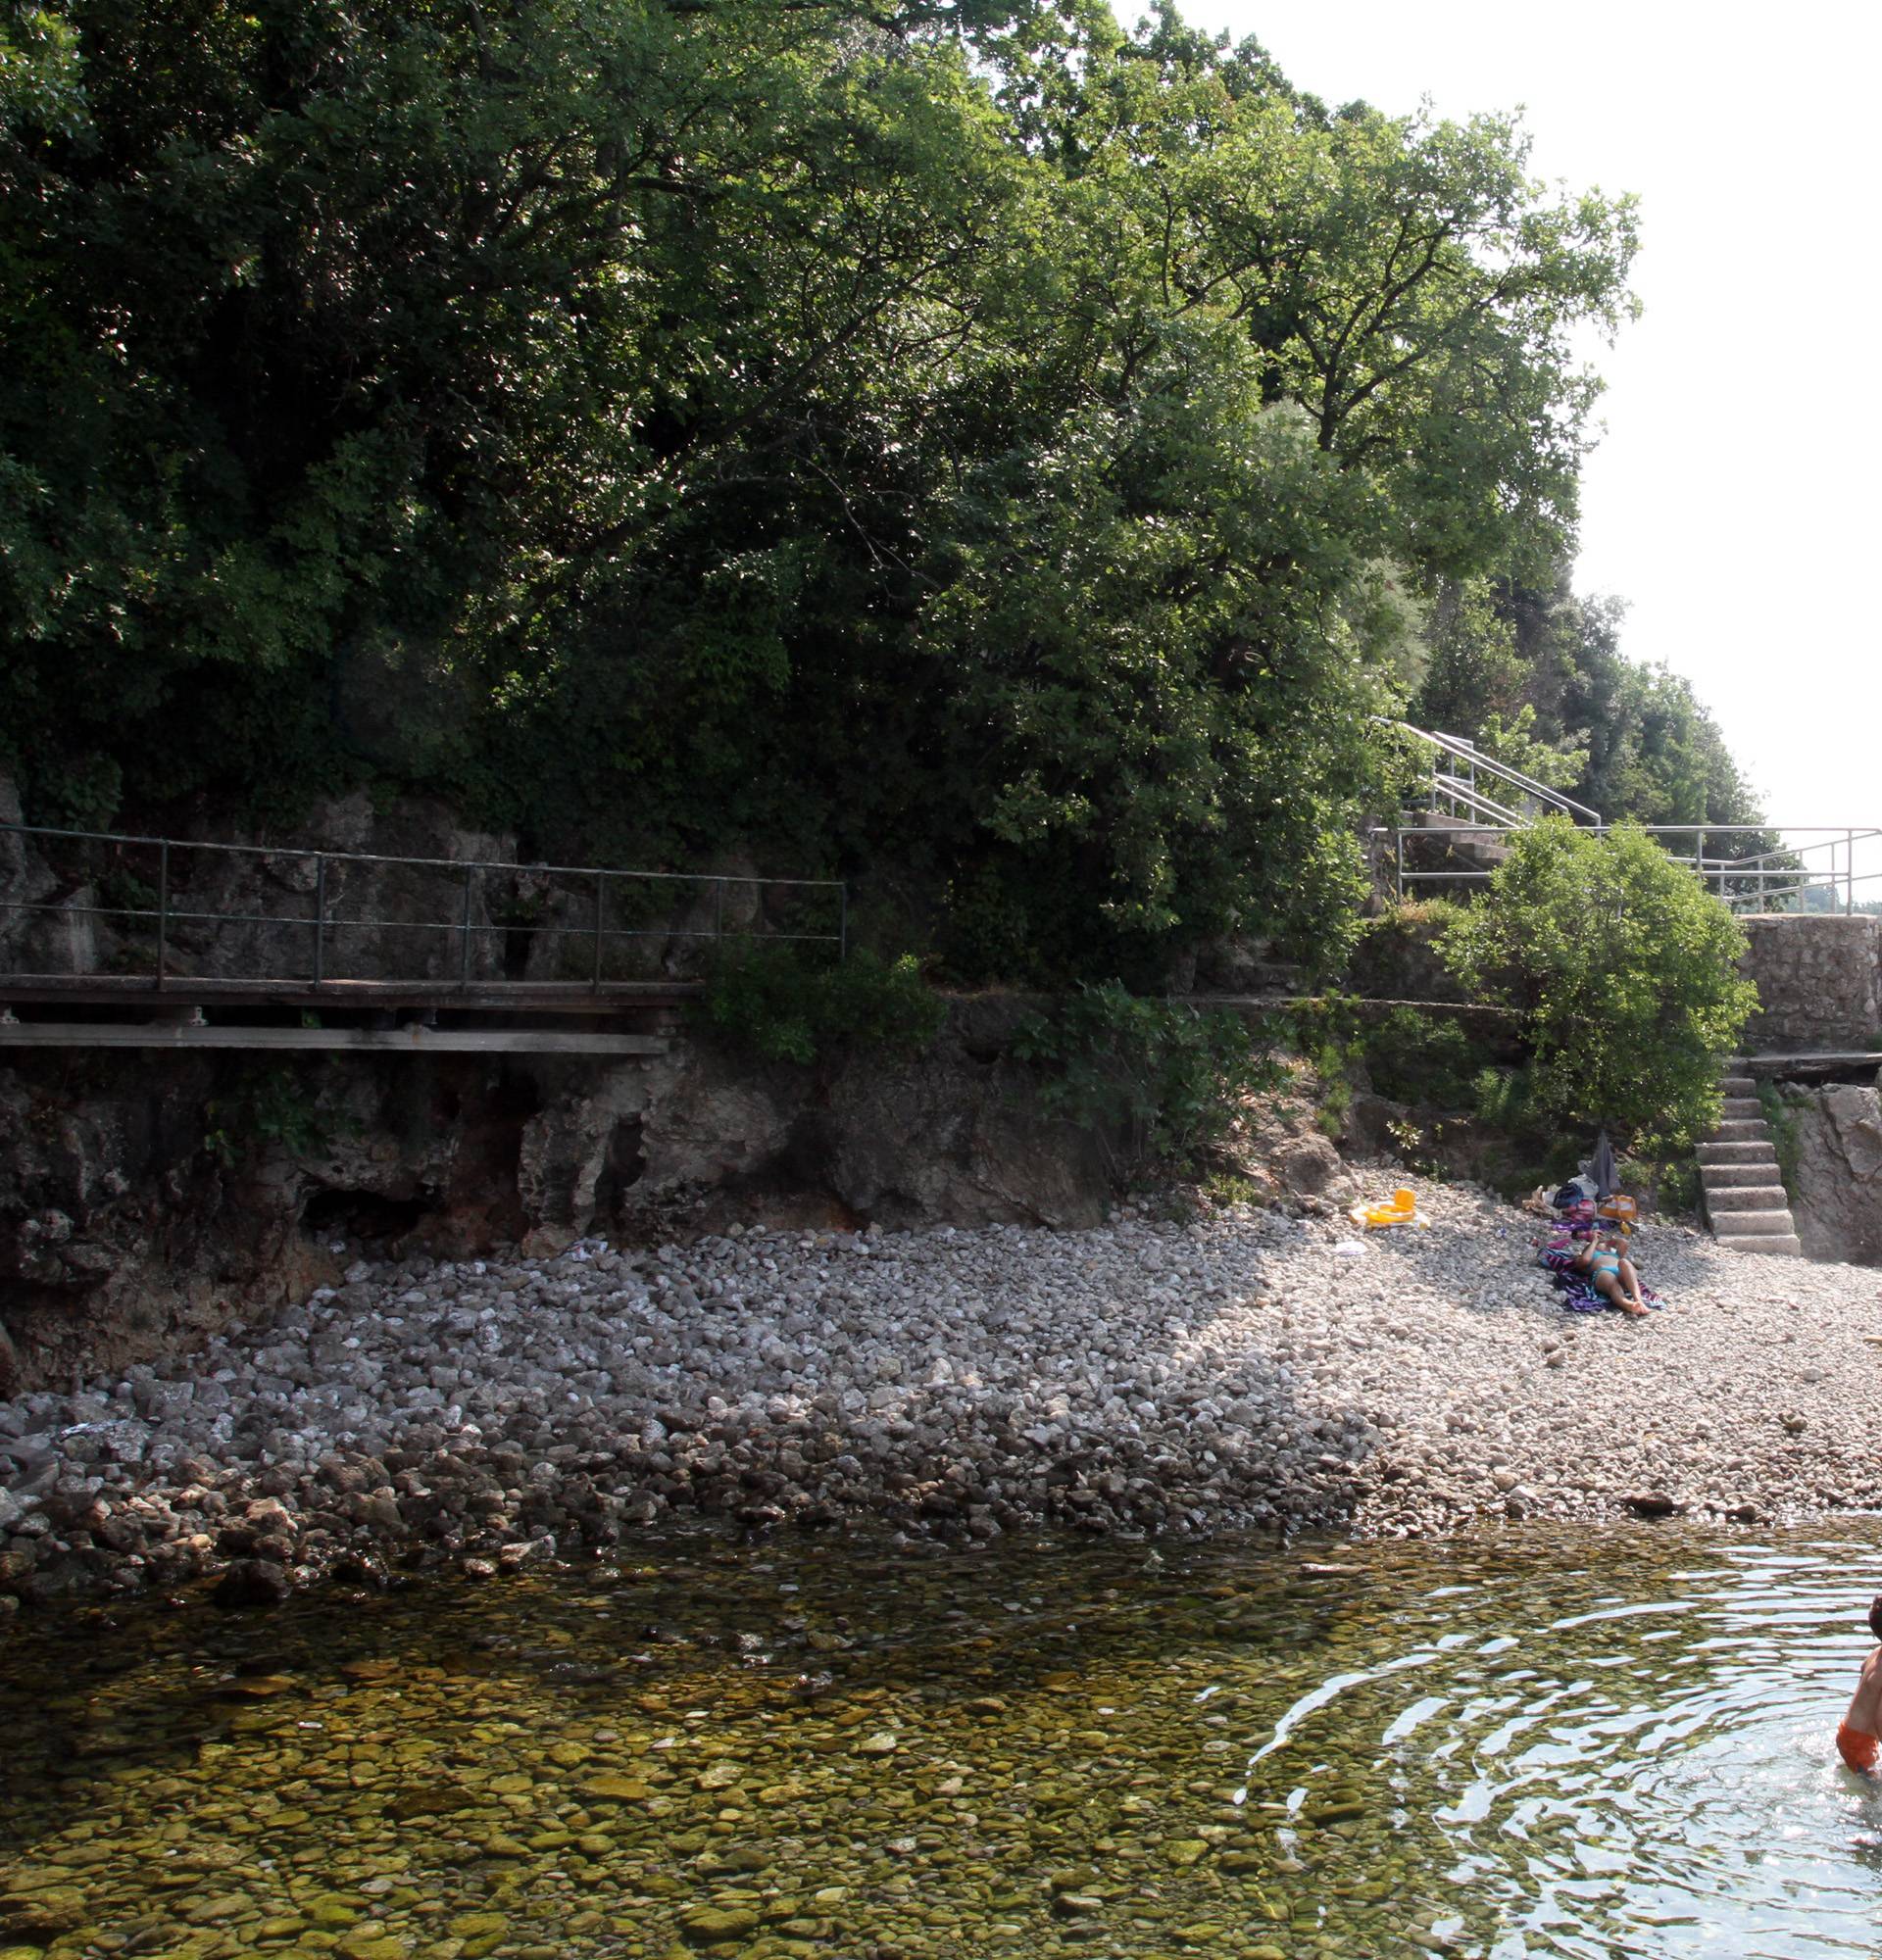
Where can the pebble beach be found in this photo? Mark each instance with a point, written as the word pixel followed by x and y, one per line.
pixel 1250 1371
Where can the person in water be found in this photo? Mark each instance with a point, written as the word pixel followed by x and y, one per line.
pixel 1855 1740
pixel 1611 1272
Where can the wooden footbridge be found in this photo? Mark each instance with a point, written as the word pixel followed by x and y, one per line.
pixel 109 940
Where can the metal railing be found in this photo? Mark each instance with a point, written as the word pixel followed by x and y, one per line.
pixel 1751 884
pixel 1456 765
pixel 567 903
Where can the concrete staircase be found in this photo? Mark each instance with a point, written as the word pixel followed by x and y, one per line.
pixel 1744 1192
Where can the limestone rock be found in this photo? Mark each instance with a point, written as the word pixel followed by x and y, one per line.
pixel 1310 1167
pixel 275 892
pixel 1838 1205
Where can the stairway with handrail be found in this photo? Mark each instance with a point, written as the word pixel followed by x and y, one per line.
pixel 1472 827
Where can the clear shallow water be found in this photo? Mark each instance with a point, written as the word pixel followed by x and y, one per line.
pixel 1577 1744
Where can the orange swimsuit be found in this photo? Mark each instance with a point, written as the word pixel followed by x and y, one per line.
pixel 1858 1749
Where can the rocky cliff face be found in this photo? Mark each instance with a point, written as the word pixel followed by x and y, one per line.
pixel 405 890
pixel 1838 1200
pixel 147 1197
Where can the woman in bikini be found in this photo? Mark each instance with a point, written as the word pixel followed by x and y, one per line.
pixel 1611 1272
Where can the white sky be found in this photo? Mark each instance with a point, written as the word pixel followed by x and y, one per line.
pixel 1733 500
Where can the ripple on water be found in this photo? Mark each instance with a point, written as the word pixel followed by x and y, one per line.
pixel 1648 1775
pixel 1536 1745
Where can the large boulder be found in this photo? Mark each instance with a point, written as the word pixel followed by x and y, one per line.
pixel 1838 1204
pixel 951 1141
pixel 951 1137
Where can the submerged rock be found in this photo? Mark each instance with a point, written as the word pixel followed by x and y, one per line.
pixel 253 1582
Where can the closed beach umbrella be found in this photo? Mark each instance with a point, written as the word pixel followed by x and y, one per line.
pixel 1607 1180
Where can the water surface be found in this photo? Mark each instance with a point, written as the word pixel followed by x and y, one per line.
pixel 1539 1742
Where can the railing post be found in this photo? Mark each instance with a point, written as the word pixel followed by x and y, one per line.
pixel 842 922
pixel 1699 859
pixel 718 911
pixel 1849 873
pixel 464 930
pixel 600 884
pixel 319 919
pixel 162 911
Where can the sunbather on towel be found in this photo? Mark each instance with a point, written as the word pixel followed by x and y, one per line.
pixel 1605 1263
pixel 1561 1258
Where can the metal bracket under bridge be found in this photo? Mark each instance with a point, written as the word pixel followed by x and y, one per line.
pixel 109 940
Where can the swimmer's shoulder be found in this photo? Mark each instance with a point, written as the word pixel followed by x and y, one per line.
pixel 1866 1707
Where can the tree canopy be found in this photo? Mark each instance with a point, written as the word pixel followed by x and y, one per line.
pixel 959 443
pixel 1537 678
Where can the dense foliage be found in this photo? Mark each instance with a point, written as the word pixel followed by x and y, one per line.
pixel 781 1005
pixel 1154 1082
pixel 1535 676
pixel 954 436
pixel 1625 968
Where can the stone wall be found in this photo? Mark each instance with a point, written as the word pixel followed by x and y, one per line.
pixel 1820 982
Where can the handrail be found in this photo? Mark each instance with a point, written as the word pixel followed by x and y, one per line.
pixel 1459 791
pixel 322 923
pixel 423 863
pixel 1452 745
pixel 1753 876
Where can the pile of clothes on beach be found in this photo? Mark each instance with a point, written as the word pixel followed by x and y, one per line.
pixel 1580 1213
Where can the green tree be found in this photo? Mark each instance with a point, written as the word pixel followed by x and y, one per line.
pixel 1626 969
pixel 966 443
pixel 1559 764
pixel 1476 668
pixel 1160 724
pixel 1403 278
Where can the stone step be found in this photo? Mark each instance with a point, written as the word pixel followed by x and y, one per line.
pixel 1735 1176
pixel 1775 1241
pixel 1742 1187
pixel 1752 1224
pixel 1746 1198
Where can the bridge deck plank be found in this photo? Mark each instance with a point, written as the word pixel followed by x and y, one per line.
pixel 394 1041
pixel 574 996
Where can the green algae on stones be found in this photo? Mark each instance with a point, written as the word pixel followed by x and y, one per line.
pixel 716 1925
pixel 41 1912
pixel 1154 1775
